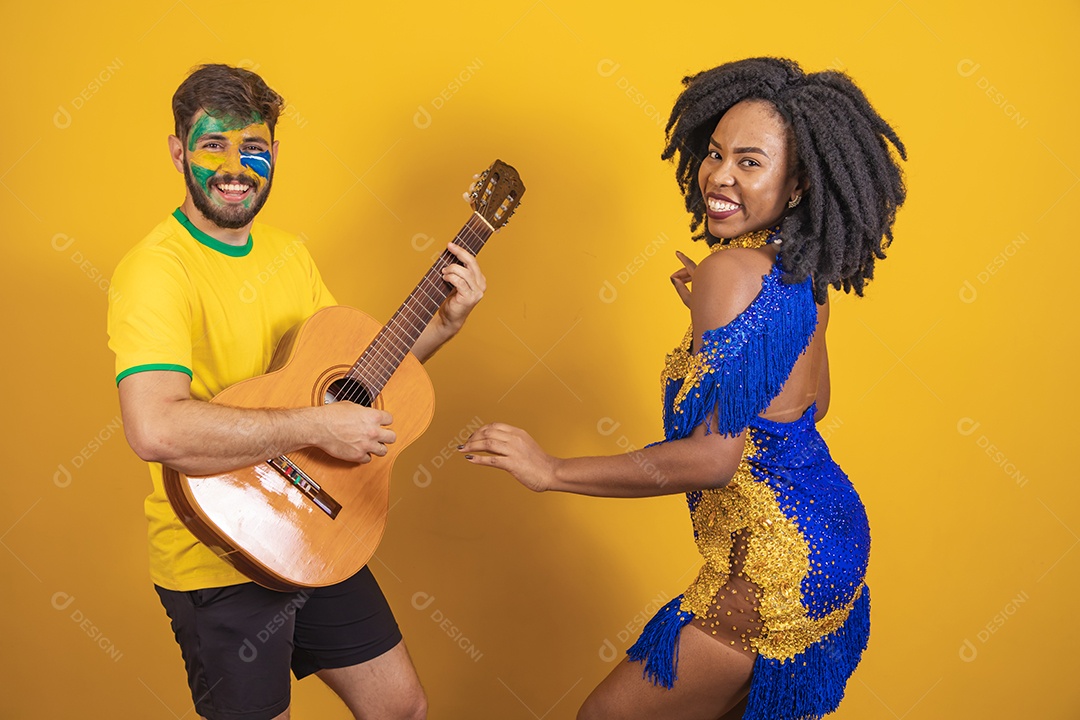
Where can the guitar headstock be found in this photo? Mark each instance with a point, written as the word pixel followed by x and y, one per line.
pixel 496 194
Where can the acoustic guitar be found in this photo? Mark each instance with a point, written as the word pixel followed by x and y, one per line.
pixel 307 519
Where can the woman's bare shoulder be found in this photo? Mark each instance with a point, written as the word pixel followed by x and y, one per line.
pixel 725 283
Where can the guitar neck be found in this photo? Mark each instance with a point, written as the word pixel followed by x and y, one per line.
pixel 396 339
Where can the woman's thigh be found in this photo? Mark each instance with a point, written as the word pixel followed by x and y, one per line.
pixel 712 680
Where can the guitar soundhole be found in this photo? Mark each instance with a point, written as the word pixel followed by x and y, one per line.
pixel 347 389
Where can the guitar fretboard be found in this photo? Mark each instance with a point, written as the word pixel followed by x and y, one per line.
pixel 385 353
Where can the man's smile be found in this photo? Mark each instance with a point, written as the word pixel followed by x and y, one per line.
pixel 233 191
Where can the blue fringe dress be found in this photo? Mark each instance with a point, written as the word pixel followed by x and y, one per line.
pixel 785 544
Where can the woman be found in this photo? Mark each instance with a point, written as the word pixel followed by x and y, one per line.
pixel 793 180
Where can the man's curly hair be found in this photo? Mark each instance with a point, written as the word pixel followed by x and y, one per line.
pixel 854 184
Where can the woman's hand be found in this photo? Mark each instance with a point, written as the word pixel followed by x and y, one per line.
pixel 513 450
pixel 683 277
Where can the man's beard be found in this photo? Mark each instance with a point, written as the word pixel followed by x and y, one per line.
pixel 230 217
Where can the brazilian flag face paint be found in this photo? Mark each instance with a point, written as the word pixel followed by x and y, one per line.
pixel 257 162
pixel 230 167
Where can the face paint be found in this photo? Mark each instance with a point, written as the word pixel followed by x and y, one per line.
pixel 229 167
pixel 206 124
pixel 202 175
pixel 259 162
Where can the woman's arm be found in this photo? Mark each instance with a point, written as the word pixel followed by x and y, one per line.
pixel 697 462
pixel 724 285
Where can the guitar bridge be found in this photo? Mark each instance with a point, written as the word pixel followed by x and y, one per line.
pixel 303 482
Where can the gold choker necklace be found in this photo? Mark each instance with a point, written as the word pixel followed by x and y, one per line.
pixel 756 239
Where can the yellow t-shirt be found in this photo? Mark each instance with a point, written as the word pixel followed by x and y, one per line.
pixel 181 300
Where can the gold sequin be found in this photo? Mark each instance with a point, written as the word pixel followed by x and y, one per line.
pixel 756 239
pixel 680 365
pixel 777 560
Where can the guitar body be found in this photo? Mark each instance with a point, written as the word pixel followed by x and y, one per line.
pixel 268 522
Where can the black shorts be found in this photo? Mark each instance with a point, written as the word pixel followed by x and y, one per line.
pixel 239 641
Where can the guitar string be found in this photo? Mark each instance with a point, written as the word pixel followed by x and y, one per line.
pixel 369 367
pixel 379 353
pixel 411 319
pixel 393 341
pixel 431 282
pixel 394 336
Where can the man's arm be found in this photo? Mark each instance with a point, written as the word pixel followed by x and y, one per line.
pixel 164 424
pixel 469 286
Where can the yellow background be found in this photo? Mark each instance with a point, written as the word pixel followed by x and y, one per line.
pixel 954 394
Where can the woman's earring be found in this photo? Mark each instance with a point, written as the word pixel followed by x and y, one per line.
pixel 796 201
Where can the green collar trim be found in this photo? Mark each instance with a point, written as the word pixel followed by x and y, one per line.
pixel 213 243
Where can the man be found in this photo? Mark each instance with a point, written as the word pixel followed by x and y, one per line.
pixel 195 312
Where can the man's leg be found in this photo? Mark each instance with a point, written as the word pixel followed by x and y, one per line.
pixel 347 636
pixel 385 687
pixel 237 645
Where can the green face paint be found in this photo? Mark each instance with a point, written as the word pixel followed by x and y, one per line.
pixel 207 124
pixel 202 176
pixel 229 167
